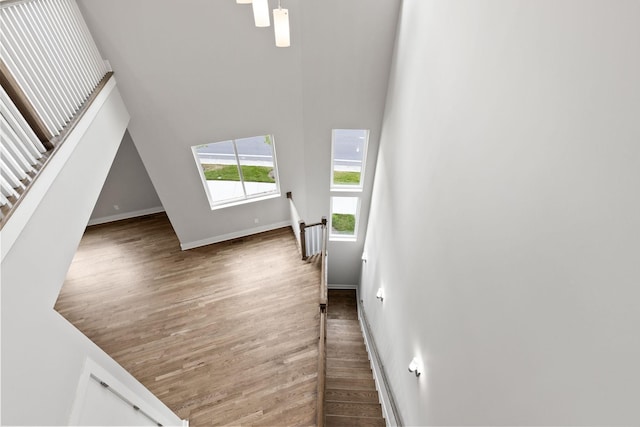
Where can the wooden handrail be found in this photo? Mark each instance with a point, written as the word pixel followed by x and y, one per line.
pixel 322 365
pixel 322 351
pixel 23 105
pixel 323 300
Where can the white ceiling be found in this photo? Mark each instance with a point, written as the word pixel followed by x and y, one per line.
pixel 196 71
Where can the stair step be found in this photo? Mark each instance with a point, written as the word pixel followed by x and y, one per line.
pixel 332 371
pixel 351 398
pixel 338 362
pixel 366 396
pixel 353 409
pixel 339 421
pixel 343 323
pixel 336 383
pixel 339 353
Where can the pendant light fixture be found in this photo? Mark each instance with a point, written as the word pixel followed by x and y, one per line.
pixel 281 26
pixel 261 18
pixel 261 13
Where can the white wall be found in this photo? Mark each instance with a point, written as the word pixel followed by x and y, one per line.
pixel 214 76
pixel 42 354
pixel 346 61
pixel 127 186
pixel 201 72
pixel 504 224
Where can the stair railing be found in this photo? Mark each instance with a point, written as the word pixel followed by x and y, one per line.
pixel 308 236
pixel 312 240
pixel 322 348
pixel 50 71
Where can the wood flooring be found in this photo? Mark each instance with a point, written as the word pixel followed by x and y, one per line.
pixel 225 334
pixel 351 398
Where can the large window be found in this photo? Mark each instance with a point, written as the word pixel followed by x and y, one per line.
pixel 238 170
pixel 348 157
pixel 348 160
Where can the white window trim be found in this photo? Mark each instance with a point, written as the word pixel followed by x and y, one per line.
pixel 238 200
pixel 349 188
pixel 344 237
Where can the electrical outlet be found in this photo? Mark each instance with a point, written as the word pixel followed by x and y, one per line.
pixel 256 220
pixel 116 207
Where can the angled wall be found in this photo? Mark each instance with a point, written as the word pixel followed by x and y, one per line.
pixel 504 224
pixel 42 354
pixel 215 76
pixel 127 191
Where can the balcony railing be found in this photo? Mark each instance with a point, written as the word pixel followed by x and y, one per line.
pixel 50 69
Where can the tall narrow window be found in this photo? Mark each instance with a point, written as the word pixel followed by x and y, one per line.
pixel 238 170
pixel 348 157
pixel 344 217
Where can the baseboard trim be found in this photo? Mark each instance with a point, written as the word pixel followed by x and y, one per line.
pixel 391 416
pixel 125 215
pixel 344 286
pixel 235 235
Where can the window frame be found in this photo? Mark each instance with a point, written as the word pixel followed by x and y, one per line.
pixel 345 187
pixel 336 237
pixel 247 198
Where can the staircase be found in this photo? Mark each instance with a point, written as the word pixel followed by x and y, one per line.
pixel 351 398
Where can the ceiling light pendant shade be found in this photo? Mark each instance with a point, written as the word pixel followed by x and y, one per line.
pixel 261 13
pixel 243 1
pixel 281 27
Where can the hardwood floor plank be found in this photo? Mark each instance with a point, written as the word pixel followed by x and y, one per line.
pixel 225 334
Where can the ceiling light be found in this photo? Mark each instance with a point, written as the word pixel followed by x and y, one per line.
pixel 243 1
pixel 261 13
pixel 281 26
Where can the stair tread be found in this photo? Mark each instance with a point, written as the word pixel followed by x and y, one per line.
pixel 337 383
pixel 351 397
pixel 337 420
pixel 354 409
pixel 369 396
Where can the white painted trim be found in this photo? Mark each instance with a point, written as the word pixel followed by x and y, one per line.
pixel 234 235
pixel 125 215
pixel 39 188
pixel 342 286
pixel 92 368
pixel 378 378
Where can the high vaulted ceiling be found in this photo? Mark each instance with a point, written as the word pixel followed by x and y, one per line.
pixel 199 71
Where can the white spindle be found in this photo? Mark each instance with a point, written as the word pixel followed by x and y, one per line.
pixel 19 70
pixel 47 47
pixel 7 189
pixel 4 202
pixel 10 176
pixel 9 111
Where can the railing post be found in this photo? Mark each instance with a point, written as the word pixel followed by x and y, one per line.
pixel 303 243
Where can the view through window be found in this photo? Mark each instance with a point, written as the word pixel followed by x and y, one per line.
pixel 348 155
pixel 348 159
pixel 237 170
pixel 344 217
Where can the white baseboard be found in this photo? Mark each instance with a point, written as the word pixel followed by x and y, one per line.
pixel 125 215
pixel 341 286
pixel 378 377
pixel 234 235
